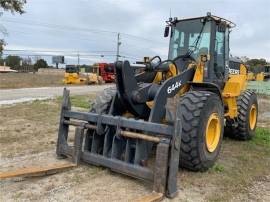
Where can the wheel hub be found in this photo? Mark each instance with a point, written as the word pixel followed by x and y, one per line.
pixel 213 130
pixel 252 117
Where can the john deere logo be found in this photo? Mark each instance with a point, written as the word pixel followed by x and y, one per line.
pixel 234 71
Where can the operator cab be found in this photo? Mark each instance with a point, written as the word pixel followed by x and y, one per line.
pixel 72 69
pixel 208 36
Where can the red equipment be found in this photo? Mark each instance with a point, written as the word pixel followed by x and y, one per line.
pixel 106 71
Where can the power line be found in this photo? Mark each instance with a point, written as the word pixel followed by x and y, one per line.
pixel 74 55
pixel 54 26
pixel 71 28
pixel 132 56
pixel 125 45
pixel 31 35
pixel 33 23
pixel 69 53
pixel 56 51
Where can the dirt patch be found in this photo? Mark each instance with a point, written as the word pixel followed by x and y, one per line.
pixel 84 183
pixel 28 128
pixel 28 137
pixel 258 190
pixel 27 80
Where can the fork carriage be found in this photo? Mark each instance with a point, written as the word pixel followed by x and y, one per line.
pixel 122 145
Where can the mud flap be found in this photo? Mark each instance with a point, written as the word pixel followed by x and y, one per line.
pixel 119 146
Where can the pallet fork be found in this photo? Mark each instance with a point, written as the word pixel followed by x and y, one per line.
pixel 166 137
pixel 36 171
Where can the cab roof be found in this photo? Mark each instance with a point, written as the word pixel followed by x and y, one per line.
pixel 229 23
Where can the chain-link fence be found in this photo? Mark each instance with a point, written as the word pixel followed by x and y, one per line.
pixel 260 87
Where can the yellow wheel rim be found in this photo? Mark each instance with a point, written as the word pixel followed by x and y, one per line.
pixel 252 116
pixel 213 129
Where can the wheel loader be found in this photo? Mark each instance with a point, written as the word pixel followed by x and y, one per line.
pixel 74 76
pixel 171 115
pixel 236 67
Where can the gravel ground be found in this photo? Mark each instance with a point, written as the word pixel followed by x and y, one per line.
pixel 11 96
pixel 240 174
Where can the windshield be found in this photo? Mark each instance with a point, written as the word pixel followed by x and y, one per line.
pixel 109 68
pixel 72 69
pixel 186 39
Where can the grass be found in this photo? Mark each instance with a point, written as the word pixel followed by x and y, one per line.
pixel 247 161
pixel 27 80
pixel 36 121
pixel 239 164
pixel 29 128
pixel 81 101
pixel 262 137
pixel 18 195
pixel 218 168
pixel 235 172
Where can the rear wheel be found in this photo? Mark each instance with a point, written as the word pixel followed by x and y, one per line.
pixel 245 126
pixel 102 103
pixel 202 129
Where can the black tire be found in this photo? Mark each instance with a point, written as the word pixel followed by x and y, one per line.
pixel 102 103
pixel 196 108
pixel 242 129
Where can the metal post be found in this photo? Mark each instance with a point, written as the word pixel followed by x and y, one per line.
pixel 63 128
pixel 161 167
pixel 118 46
pixel 78 58
pixel 79 132
pixel 172 188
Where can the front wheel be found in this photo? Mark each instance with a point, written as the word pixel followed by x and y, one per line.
pixel 202 129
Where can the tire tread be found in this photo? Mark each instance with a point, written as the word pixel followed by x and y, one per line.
pixel 192 104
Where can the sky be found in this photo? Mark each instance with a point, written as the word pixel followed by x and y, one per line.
pixel 89 28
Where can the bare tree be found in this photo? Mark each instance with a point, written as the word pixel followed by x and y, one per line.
pixel 13 6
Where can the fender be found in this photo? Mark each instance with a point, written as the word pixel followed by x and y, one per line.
pixel 207 86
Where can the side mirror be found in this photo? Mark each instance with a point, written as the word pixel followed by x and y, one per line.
pixel 166 31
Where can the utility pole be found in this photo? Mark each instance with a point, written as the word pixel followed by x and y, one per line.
pixel 118 46
pixel 78 58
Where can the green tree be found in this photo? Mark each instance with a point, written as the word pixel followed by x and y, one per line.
pixel 2 44
pixel 256 65
pixel 256 62
pixel 13 6
pixel 41 63
pixel 13 61
pixel 2 61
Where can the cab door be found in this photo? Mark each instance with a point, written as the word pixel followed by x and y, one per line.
pixel 221 55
